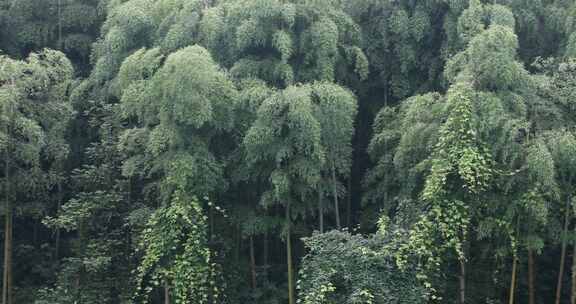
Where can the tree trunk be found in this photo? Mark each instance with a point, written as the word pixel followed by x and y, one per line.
pixel 335 193
pixel 265 255
pixel 10 275
pixel 57 241
pixel 349 205
pixel 291 299
pixel 7 278
pixel 563 253
pixel 462 282
pixel 573 295
pixel 513 280
pixel 7 274
pixel 320 211
pixel 238 242
pixel 531 274
pixel 252 262
pixel 211 215
pixel 35 233
pixel 166 294
pixel 60 42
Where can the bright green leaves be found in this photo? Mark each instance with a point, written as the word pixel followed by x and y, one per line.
pixel 460 170
pixel 141 65
pixel 178 105
pixel 189 89
pixel 127 27
pixel 459 150
pixel 176 99
pixel 477 17
pixel 168 25
pixel 175 254
pixel 491 58
pixel 489 61
pixel 437 235
pixel 345 268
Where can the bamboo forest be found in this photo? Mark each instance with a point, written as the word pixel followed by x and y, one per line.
pixel 288 151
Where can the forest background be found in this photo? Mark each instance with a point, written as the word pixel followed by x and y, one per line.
pixel 288 151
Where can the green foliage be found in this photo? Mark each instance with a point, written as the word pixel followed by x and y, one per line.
pixel 185 95
pixel 468 144
pixel 459 150
pixel 283 42
pixel 34 116
pixel 403 139
pixel 300 132
pixel 34 113
pixel 335 111
pixel 175 253
pixel 67 25
pixel 286 138
pixel 460 170
pixel 345 268
pixel 460 114
pixel 402 43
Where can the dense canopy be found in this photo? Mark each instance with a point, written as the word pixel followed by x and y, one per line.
pixel 288 151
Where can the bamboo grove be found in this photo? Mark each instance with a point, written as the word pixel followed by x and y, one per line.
pixel 288 151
